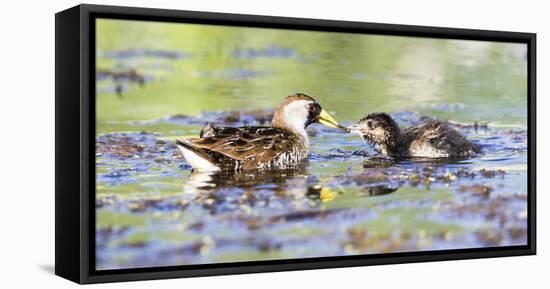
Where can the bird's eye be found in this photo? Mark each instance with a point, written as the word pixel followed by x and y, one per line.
pixel 370 124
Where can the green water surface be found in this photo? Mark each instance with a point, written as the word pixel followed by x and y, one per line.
pixel 151 212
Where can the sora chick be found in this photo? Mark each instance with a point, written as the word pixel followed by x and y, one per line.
pixel 432 139
pixel 282 144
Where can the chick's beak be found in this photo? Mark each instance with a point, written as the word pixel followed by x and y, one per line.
pixel 326 119
pixel 355 128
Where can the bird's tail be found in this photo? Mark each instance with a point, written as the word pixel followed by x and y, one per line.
pixel 198 158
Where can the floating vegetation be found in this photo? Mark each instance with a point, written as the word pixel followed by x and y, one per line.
pixel 131 76
pixel 235 74
pixel 476 189
pixel 271 51
pixel 120 79
pixel 363 203
pixel 142 52
pixel 230 117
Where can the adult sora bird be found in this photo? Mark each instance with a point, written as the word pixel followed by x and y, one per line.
pixel 282 145
pixel 431 139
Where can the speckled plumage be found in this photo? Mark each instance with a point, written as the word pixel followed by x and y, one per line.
pixel 432 139
pixel 252 147
pixel 281 145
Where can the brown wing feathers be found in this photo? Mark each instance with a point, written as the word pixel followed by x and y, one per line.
pixel 254 145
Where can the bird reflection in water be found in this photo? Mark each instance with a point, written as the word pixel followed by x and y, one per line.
pixel 200 182
pixel 248 189
pixel 274 189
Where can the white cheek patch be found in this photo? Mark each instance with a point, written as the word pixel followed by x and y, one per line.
pixel 297 111
pixel 296 114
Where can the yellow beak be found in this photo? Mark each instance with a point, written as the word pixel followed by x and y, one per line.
pixel 326 119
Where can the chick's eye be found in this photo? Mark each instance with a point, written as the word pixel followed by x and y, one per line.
pixel 370 124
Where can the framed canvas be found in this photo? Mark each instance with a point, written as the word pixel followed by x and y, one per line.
pixel 195 144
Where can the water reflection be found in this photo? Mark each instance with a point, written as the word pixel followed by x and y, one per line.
pixel 226 191
pixel 151 210
pixel 295 186
pixel 203 181
pixel 379 190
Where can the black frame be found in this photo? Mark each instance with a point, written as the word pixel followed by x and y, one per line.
pixel 75 139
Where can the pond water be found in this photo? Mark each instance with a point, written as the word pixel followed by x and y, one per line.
pixel 157 82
